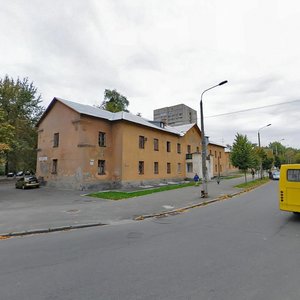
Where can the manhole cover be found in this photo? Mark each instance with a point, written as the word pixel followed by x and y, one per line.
pixel 72 211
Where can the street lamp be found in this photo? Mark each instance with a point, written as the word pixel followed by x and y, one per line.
pixel 204 191
pixel 258 135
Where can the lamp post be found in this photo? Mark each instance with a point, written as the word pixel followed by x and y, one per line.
pixel 258 135
pixel 204 191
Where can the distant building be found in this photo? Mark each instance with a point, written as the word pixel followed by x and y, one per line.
pixel 175 115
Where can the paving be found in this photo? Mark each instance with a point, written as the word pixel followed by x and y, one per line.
pixel 48 209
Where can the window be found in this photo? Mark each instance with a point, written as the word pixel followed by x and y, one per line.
pixel 168 146
pixel 197 149
pixel 101 167
pixel 141 167
pixel 215 153
pixel 189 167
pixel 155 143
pixel 54 166
pixel 178 148
pixel 220 154
pixel 188 148
pixel 179 168
pixel 169 168
pixel 156 167
pixel 56 140
pixel 141 142
pixel 293 175
pixel 216 168
pixel 102 139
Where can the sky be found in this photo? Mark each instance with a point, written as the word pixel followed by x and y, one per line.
pixel 163 53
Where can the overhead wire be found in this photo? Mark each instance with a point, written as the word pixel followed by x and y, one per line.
pixel 251 109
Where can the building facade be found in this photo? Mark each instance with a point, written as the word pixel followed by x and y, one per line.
pixel 82 147
pixel 175 115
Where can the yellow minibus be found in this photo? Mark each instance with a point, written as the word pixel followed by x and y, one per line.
pixel 289 188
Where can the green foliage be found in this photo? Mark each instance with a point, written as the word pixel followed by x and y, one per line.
pixel 117 195
pixel 297 158
pixel 20 110
pixel 6 137
pixel 114 102
pixel 242 154
pixel 277 161
pixel 267 162
pixel 253 183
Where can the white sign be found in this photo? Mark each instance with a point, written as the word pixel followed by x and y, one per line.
pixel 43 158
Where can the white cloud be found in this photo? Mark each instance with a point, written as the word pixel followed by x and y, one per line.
pixel 161 53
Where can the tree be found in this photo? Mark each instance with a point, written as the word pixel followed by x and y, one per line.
pixel 114 102
pixel 267 161
pixel 277 161
pixel 242 154
pixel 20 110
pixel 6 137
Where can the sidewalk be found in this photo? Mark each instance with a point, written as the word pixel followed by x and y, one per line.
pixel 46 209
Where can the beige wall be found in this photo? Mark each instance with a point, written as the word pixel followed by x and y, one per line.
pixel 219 159
pixel 132 154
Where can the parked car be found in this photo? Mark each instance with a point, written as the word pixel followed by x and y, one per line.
pixel 276 175
pixel 10 174
pixel 20 173
pixel 26 182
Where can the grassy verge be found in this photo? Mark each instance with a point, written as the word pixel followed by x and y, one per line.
pixel 253 183
pixel 232 176
pixel 117 195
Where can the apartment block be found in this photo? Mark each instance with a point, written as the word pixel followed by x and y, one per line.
pixel 175 115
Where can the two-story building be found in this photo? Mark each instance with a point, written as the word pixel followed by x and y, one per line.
pixel 81 147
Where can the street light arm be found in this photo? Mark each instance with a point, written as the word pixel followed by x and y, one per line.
pixel 264 127
pixel 221 83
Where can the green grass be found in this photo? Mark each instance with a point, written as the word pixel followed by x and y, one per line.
pixel 117 195
pixel 253 183
pixel 232 176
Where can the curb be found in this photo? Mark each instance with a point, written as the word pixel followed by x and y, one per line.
pixel 185 208
pixel 54 229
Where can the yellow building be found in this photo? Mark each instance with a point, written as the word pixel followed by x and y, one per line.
pixel 81 147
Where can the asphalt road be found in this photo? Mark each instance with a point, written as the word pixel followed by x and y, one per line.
pixel 241 248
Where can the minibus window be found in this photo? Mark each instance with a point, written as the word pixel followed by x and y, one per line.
pixel 293 175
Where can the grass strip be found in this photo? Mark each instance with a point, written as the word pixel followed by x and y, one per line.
pixel 118 195
pixel 253 183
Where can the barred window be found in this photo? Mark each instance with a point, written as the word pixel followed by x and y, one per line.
pixel 101 167
pixel 178 148
pixel 141 142
pixel 102 139
pixel 54 166
pixel 168 146
pixel 155 144
pixel 156 167
pixel 56 140
pixel 169 168
pixel 179 168
pixel 188 148
pixel 141 167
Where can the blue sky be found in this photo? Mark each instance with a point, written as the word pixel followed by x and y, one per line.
pixel 162 53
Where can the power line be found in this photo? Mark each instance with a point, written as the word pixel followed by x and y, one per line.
pixel 250 109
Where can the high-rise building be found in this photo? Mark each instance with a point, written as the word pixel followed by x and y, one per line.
pixel 175 115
